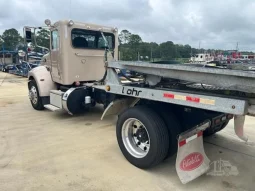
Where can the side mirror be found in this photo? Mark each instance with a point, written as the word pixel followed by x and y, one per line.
pixel 28 35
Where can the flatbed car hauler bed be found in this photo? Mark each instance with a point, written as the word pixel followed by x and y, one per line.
pixel 226 79
pixel 241 80
pixel 164 108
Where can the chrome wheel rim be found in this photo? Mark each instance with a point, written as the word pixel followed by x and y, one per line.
pixel 135 138
pixel 33 95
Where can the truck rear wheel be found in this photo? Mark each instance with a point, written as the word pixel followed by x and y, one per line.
pixel 174 129
pixel 142 136
pixel 35 99
pixel 172 123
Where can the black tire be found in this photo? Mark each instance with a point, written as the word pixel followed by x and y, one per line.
pixel 173 125
pixel 37 105
pixel 174 129
pixel 157 131
pixel 212 131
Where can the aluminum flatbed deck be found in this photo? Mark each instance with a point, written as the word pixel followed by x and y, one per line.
pixel 239 80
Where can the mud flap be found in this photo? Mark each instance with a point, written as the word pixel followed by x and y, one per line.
pixel 191 160
pixel 239 125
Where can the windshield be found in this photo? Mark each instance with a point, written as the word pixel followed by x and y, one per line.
pixel 82 38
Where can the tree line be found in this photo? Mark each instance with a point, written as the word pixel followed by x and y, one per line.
pixel 131 46
pixel 12 40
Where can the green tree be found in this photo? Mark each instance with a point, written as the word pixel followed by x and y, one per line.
pixel 183 51
pixel 134 43
pixel 43 38
pixel 131 44
pixel 144 50
pixel 11 38
pixel 124 37
pixel 155 51
pixel 1 42
pixel 135 40
pixel 167 50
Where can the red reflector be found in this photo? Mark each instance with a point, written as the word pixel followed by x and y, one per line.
pixel 167 95
pixel 193 99
pixel 77 83
pixel 199 133
pixel 183 142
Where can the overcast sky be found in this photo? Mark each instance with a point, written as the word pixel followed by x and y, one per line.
pixel 215 23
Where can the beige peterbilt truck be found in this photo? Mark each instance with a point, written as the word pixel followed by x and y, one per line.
pixel 79 53
pixel 164 108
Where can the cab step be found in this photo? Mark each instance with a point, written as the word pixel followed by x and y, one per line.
pixel 52 107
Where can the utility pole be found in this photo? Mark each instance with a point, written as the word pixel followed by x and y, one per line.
pixel 151 55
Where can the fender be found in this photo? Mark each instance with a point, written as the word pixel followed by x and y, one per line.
pixel 119 105
pixel 43 80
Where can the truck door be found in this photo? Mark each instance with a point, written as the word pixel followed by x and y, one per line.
pixel 88 51
pixel 54 54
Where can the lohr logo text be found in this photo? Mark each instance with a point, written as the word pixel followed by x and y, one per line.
pixel 133 91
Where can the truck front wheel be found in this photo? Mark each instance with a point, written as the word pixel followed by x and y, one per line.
pixel 34 96
pixel 142 136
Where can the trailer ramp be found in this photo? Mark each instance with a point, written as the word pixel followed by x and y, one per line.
pixel 239 80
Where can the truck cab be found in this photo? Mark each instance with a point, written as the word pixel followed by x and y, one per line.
pixel 78 54
pixel 77 51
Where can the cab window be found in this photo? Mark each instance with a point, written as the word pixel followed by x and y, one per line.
pixel 101 43
pixel 54 40
pixel 88 39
